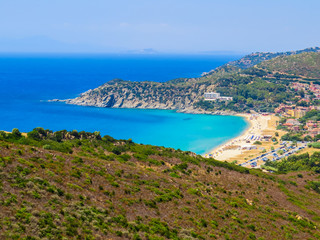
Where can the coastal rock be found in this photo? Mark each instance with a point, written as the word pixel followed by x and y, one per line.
pixel 144 95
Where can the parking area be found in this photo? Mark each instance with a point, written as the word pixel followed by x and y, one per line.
pixel 287 149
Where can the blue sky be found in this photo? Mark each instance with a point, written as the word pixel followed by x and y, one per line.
pixel 168 26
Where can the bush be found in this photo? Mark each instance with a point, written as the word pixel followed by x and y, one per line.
pixel 316 145
pixel 47 146
pixel 252 227
pixel 16 133
pixel 300 162
pixel 280 152
pixel 34 134
pixel 315 185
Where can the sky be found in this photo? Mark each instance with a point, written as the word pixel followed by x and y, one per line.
pixel 158 26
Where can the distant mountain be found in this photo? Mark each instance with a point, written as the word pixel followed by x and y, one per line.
pixel 44 44
pixel 142 51
pixel 258 57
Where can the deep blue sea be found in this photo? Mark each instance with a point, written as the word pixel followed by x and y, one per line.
pixel 27 81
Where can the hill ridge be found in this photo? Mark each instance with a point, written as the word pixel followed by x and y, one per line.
pixel 79 185
pixel 258 57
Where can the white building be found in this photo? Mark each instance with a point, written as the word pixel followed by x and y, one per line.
pixel 225 98
pixel 212 96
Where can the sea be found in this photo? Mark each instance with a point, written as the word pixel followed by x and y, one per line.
pixel 28 81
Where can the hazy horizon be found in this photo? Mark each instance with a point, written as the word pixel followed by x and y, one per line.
pixel 153 27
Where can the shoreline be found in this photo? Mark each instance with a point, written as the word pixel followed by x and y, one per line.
pixel 245 132
pixel 230 149
pixel 183 110
pixel 258 125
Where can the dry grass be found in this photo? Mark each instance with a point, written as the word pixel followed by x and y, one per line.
pixel 156 201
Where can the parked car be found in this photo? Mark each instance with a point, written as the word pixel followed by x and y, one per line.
pixel 254 164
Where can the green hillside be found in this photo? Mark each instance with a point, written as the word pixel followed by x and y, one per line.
pixel 261 87
pixel 249 89
pixel 78 185
pixel 256 58
pixel 305 65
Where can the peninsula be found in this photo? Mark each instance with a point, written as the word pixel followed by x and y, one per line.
pixel 259 82
pixel 255 86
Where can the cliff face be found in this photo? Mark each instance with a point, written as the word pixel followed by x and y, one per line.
pixel 125 94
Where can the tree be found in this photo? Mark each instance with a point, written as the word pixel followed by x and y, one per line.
pixel 294 143
pixel 250 102
pixel 41 131
pixel 302 104
pixel 75 134
pixel 34 134
pixel 301 93
pixel 280 152
pixel 317 137
pixel 58 136
pixel 307 138
pixel 16 133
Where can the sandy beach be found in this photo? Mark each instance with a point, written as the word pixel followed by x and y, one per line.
pixel 260 125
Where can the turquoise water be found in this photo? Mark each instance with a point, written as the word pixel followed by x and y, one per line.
pixel 27 80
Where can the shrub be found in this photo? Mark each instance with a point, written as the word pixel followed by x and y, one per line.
pixel 194 191
pixel 34 135
pixel 315 185
pixel 124 157
pixel 16 133
pixel 175 175
pixel 69 196
pixel 316 145
pixel 47 147
pixel 280 152
pixel 252 227
pixel 293 183
pixel 150 203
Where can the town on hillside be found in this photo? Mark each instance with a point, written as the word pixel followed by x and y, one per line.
pixel 293 128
